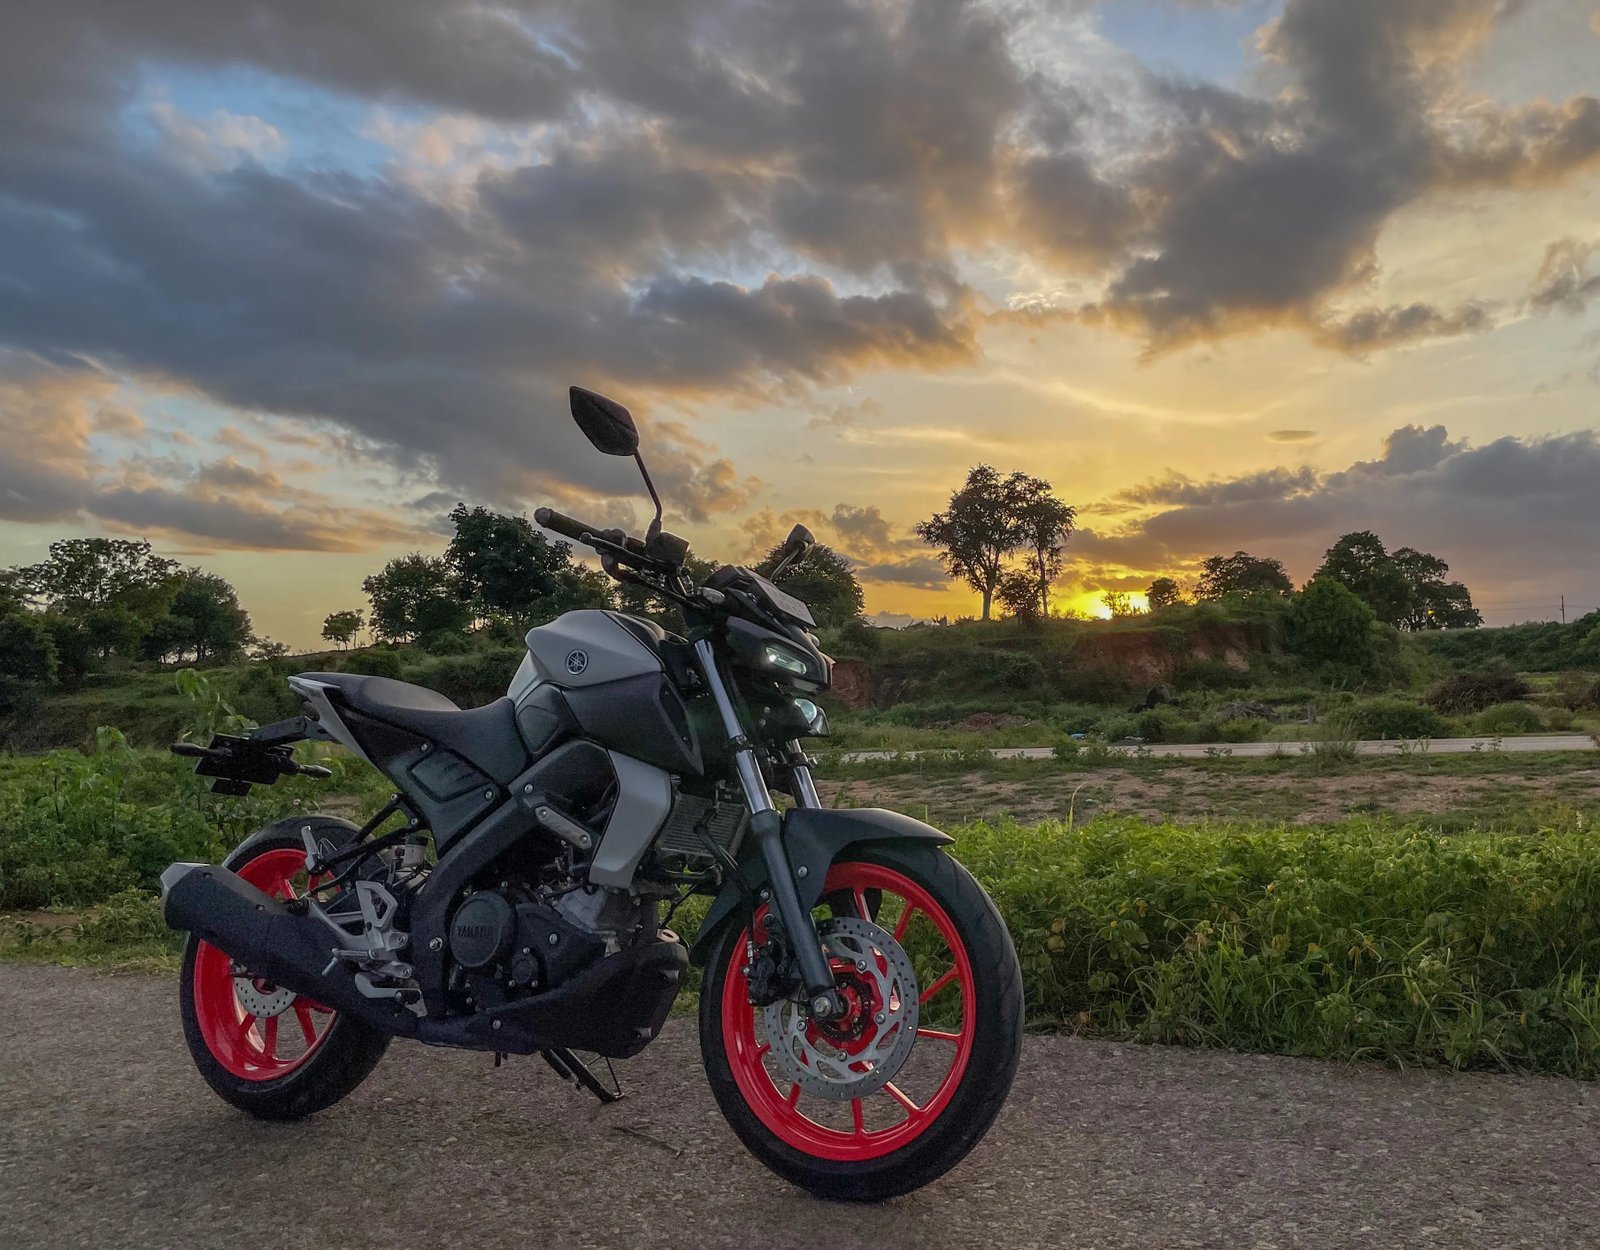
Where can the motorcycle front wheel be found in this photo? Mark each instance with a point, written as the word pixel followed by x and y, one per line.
pixel 907 1081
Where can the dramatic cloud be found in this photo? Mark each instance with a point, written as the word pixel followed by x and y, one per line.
pixel 1515 513
pixel 694 202
pixel 50 475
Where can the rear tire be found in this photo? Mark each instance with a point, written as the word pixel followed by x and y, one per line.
pixel 878 1157
pixel 319 1056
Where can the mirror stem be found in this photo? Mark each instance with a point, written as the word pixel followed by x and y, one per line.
pixel 655 525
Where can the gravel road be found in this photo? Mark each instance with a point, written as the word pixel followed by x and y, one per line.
pixel 109 1138
pixel 1260 750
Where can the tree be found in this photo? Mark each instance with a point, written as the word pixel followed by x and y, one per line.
pixel 1164 592
pixel 341 628
pixel 1018 593
pixel 205 619
pixel 1043 525
pixel 1241 573
pixel 85 573
pixel 113 629
pixel 414 595
pixel 1360 563
pixel 27 656
pixel 1120 604
pixel 1406 588
pixel 508 570
pixel 1331 628
pixel 823 579
pixel 1434 602
pixel 977 530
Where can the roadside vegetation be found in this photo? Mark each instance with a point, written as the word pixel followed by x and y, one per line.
pixel 1150 900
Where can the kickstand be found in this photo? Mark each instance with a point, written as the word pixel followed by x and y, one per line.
pixel 570 1068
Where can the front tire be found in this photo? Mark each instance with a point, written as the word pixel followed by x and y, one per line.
pixel 802 1121
pixel 295 1057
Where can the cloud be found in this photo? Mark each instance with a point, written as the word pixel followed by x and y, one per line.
pixel 920 572
pixel 1564 280
pixel 49 415
pixel 1291 436
pixel 1517 514
pixel 701 200
pixel 1376 329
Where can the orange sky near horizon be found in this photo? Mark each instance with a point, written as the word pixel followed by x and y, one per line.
pixel 1244 276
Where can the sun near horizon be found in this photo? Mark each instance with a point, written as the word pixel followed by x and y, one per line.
pixel 1246 276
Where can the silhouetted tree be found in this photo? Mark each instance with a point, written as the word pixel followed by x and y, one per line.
pixel 1164 592
pixel 1018 593
pixel 1120 604
pixel 413 595
pixel 507 569
pixel 341 628
pixel 85 573
pixel 1241 573
pixel 977 530
pixel 1043 525
pixel 1405 588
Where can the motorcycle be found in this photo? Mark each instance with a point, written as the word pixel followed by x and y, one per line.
pixel 860 1010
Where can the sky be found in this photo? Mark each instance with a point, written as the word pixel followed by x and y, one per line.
pixel 280 283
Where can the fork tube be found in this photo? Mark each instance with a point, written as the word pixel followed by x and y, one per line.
pixel 805 789
pixel 767 827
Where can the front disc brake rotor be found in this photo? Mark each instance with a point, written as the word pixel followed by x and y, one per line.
pixel 862 1051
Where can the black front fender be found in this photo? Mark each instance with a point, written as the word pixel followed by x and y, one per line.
pixel 813 837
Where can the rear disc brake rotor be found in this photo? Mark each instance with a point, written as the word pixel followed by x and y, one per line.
pixel 861 1052
pixel 260 1002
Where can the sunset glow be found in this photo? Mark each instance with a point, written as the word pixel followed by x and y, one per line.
pixel 279 293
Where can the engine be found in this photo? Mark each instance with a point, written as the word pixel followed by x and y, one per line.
pixel 507 943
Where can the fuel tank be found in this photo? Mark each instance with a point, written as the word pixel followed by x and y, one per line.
pixel 606 670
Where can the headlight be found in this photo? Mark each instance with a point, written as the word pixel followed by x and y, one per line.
pixel 815 718
pixel 782 657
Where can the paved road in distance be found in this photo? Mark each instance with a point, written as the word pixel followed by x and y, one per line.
pixel 1263 750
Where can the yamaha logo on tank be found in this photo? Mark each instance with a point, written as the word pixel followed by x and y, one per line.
pixel 577 661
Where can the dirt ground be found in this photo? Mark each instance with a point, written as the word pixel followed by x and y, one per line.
pixel 1200 792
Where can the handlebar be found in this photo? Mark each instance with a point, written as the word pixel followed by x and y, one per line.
pixel 566 526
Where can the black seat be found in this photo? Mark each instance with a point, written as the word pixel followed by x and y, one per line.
pixel 486 736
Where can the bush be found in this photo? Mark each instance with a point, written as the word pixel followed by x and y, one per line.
pixel 1577 692
pixel 1482 688
pixel 446 642
pixel 374 662
pixel 1331 630
pixel 1357 940
pixel 1394 718
pixel 1509 718
pixel 1559 718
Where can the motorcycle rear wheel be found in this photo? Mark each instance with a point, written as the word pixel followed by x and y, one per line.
pixel 928 1116
pixel 297 1057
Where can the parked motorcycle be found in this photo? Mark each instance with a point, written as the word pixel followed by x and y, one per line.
pixel 861 1005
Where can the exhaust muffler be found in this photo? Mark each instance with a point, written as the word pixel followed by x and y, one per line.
pixel 262 934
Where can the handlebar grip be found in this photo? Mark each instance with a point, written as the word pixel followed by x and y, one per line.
pixel 566 526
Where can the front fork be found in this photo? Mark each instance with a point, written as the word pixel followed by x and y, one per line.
pixel 766 825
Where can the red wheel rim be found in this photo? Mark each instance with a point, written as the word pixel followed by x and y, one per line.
pixel 252 1048
pixel 782 1107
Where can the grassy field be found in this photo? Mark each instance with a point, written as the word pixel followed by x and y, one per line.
pixel 1421 911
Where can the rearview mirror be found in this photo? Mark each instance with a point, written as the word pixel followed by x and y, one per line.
pixel 800 541
pixel 605 423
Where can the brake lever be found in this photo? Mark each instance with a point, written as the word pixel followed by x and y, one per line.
pixel 621 554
